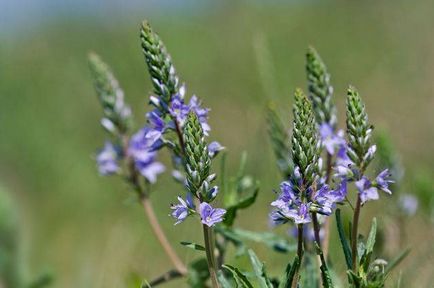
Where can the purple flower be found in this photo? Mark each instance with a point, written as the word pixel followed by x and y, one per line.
pixel 342 158
pixel 179 110
pixel 209 215
pixel 276 218
pixel 329 138
pixel 302 215
pixel 214 148
pixel 107 159
pixel 382 181
pixel 145 163
pixel 366 190
pixel 183 209
pixel 157 123
pixel 408 204
pixel 145 139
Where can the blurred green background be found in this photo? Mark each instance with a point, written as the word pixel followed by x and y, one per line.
pixel 88 229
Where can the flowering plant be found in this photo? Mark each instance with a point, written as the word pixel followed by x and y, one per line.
pixel 311 191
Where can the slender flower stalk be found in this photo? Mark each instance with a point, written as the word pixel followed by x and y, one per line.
pixel 198 163
pixel 360 152
pixel 136 151
pixel 320 94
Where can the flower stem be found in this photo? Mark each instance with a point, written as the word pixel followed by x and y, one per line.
pixel 209 248
pixel 133 178
pixel 354 233
pixel 299 254
pixel 326 226
pixel 158 232
pixel 316 229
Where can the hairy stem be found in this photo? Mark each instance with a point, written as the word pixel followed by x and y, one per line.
pixel 209 248
pixel 158 232
pixel 299 254
pixel 354 233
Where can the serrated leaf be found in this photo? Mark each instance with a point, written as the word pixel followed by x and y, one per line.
pixel 193 246
pixel 239 277
pixel 344 243
pixel 259 269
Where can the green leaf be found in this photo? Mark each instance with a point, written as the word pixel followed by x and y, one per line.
pixel 310 278
pixel 231 211
pixel 354 279
pixel 198 273
pixel 284 278
pixel 259 269
pixel 193 246
pixel 393 263
pixel 239 277
pixel 365 260
pixel 325 275
pixel 222 280
pixel 295 267
pixel 371 238
pixel 271 240
pixel 344 243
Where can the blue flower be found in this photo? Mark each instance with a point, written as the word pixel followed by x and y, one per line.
pixel 209 215
pixel 183 209
pixel 145 163
pixel 179 110
pixel 366 190
pixel 107 159
pixel 214 148
pixel 300 215
pixel 329 138
pixel 382 181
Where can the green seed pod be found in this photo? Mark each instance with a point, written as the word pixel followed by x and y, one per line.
pixel 160 67
pixel 320 89
pixel 117 115
pixel 198 161
pixel 305 142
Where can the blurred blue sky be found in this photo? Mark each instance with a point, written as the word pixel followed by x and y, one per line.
pixel 31 14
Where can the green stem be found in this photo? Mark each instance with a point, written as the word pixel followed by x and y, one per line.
pixel 316 230
pixel 326 241
pixel 299 254
pixel 354 233
pixel 209 249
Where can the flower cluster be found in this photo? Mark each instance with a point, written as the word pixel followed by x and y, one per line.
pixel 306 192
pixel 199 180
pixel 290 205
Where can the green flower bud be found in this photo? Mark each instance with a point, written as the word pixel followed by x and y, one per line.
pixel 198 161
pixel 320 89
pixel 160 67
pixel 305 142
